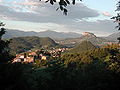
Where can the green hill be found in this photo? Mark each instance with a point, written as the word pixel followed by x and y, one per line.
pixel 21 44
pixel 83 46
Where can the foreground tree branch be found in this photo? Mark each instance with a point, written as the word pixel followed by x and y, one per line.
pixel 62 4
pixel 117 18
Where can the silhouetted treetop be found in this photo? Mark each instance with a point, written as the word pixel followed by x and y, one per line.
pixel 4 50
pixel 117 18
pixel 62 4
pixel 2 31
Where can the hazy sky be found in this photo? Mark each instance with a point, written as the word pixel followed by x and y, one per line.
pixel 32 15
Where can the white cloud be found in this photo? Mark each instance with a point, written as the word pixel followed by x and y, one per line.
pixel 99 27
pixel 1 0
pixel 47 13
pixel 26 3
pixel 106 14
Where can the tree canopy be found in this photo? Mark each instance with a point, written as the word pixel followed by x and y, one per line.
pixel 117 18
pixel 4 50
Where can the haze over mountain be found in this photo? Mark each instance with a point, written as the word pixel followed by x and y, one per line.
pixel 52 34
pixel 87 36
pixel 114 36
pixel 69 38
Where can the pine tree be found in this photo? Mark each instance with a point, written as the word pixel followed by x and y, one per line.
pixel 4 50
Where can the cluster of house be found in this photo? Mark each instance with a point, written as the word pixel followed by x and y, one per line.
pixel 57 52
pixel 31 56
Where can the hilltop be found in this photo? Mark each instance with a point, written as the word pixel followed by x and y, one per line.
pixel 85 36
pixel 22 44
pixel 83 46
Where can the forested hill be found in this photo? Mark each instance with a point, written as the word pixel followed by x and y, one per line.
pixel 21 44
pixel 83 46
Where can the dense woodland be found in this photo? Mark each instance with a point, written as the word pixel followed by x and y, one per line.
pixel 83 46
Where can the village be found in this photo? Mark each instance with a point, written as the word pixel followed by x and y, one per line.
pixel 42 54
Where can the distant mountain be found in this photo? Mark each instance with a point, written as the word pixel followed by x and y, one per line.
pixel 17 33
pixel 86 36
pixel 83 46
pixel 113 36
pixel 22 44
pixel 52 34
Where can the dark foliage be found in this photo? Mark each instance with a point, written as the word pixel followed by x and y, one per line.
pixel 11 76
pixel 118 39
pixel 117 18
pixel 62 4
pixel 4 49
pixel 97 69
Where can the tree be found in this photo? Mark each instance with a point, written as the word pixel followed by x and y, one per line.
pixel 2 30
pixel 62 4
pixel 117 18
pixel 4 50
pixel 118 39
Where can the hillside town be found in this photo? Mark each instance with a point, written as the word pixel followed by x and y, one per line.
pixel 32 55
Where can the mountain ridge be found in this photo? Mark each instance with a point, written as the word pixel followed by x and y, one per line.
pixel 48 33
pixel 97 41
pixel 59 37
pixel 113 36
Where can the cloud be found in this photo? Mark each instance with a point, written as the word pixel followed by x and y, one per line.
pixel 28 3
pixel 45 16
pixel 106 14
pixel 1 1
pixel 45 12
pixel 99 27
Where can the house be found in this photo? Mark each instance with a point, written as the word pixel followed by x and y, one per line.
pixel 19 58
pixel 29 59
pixel 32 53
pixel 16 60
pixel 44 57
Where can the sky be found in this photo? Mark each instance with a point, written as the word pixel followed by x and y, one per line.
pixel 86 16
